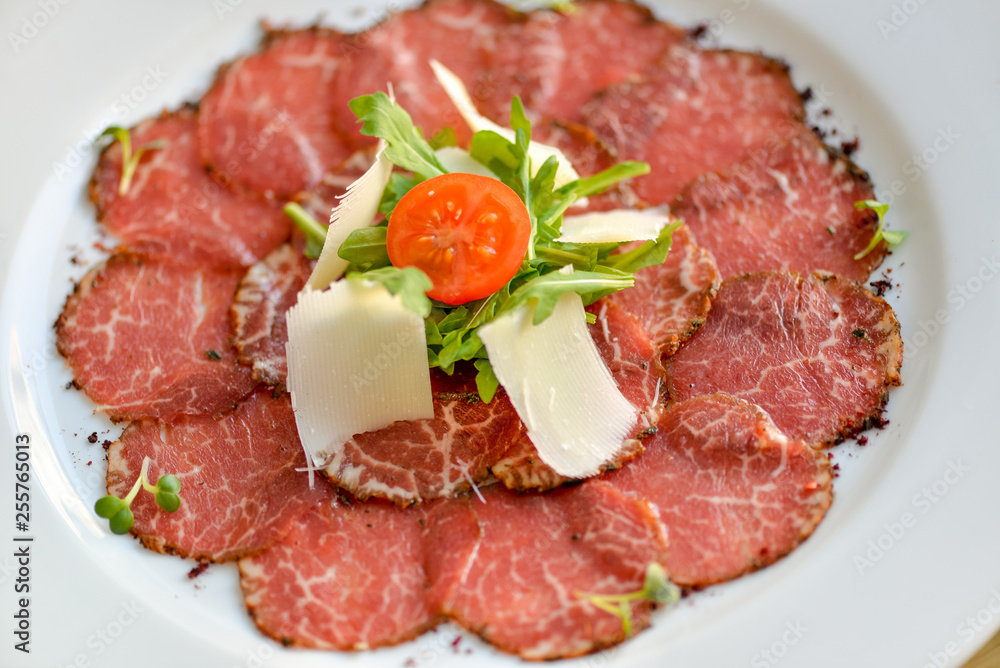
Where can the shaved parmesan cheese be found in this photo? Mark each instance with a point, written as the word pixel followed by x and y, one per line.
pixel 559 385
pixel 357 361
pixel 539 153
pixel 357 209
pixel 455 160
pixel 615 226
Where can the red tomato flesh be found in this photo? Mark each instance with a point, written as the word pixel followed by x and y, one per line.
pixel 468 233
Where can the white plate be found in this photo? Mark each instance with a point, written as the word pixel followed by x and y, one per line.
pixel 912 78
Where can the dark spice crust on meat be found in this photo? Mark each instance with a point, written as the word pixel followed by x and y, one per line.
pixel 286 641
pixel 891 348
pixel 522 470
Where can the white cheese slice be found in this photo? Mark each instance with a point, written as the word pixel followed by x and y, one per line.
pixel 356 209
pixel 559 385
pixel 357 361
pixel 456 160
pixel 619 225
pixel 538 152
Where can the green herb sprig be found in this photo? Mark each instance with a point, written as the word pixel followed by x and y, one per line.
pixel 657 588
pixel 130 160
pixel 117 511
pixel 314 232
pixel 892 237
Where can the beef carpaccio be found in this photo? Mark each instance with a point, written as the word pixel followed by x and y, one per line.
pixel 747 354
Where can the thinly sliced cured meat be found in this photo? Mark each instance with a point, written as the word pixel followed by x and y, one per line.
pixel 634 362
pixel 539 553
pixel 698 111
pixel 451 541
pixel 347 576
pixel 817 352
pixel 461 34
pixel 788 206
pixel 672 299
pixel 242 486
pixel 557 61
pixel 174 209
pixel 413 460
pixel 149 339
pixel 630 355
pixel 268 120
pixel 732 491
pixel 264 295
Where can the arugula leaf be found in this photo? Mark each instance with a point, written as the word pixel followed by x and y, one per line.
pixel 433 334
pixel 383 118
pixel 409 283
pixel 314 231
pixel 566 196
pixel 892 237
pixel 496 152
pixel 486 381
pixel 548 288
pixel 648 254
pixel 453 321
pixel 398 186
pixel 365 248
pixel 446 137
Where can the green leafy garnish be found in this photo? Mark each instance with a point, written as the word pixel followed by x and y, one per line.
pixel 444 139
pixel 409 284
pixel 892 237
pixel 117 511
pixel 398 186
pixel 383 118
pixel 657 588
pixel 550 268
pixel 130 160
pixel 314 231
pixel 365 249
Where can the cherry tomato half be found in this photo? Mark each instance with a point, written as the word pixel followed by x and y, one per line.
pixel 467 232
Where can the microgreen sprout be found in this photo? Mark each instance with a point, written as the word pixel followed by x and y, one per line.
pixel 130 160
pixel 657 587
pixel 116 510
pixel 315 233
pixel 892 237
